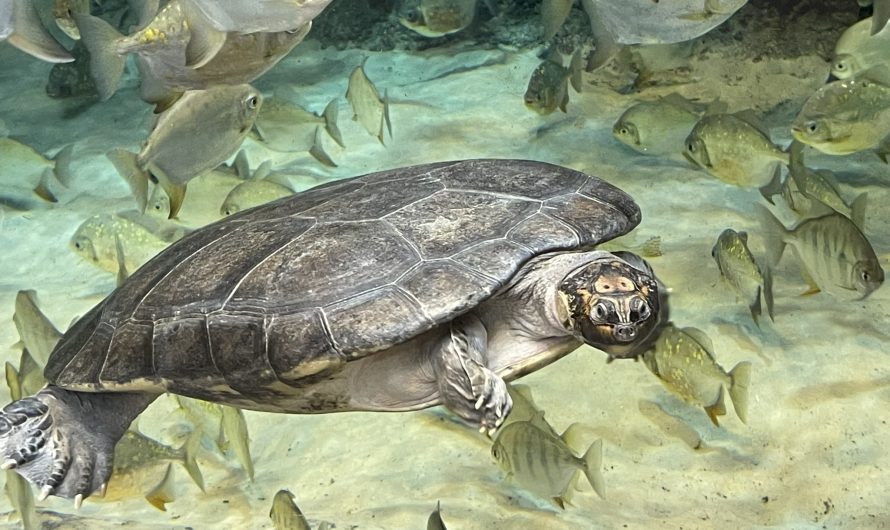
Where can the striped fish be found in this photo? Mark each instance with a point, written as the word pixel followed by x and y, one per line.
pixel 742 272
pixel 544 464
pixel 834 254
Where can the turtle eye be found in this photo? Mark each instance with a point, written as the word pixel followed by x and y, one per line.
pixel 599 312
pixel 641 308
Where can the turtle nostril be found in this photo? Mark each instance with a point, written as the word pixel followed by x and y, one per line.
pixel 625 332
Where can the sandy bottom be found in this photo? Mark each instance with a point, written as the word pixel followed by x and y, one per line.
pixel 814 452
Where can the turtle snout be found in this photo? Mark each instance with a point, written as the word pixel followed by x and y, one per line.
pixel 625 332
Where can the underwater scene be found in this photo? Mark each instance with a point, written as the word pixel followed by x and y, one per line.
pixel 497 264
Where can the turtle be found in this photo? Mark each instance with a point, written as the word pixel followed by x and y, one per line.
pixel 398 290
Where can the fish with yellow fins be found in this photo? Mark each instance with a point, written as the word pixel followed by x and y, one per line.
pixel 748 279
pixel 544 463
pixel 834 255
pixel 683 360
pixel 548 87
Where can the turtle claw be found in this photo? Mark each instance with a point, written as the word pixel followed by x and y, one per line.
pixel 44 493
pixel 9 464
pixel 78 501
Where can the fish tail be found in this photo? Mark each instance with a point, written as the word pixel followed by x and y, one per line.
pixel 773 233
pixel 576 68
pixel 767 273
pixel 62 167
pixel 604 42
pixel 190 450
pixel 14 382
pixel 127 166
pixel 774 186
pixel 43 190
pixel 106 64
pixel 318 152
pixel 739 378
pixel 857 210
pixel 593 465
pixel 330 114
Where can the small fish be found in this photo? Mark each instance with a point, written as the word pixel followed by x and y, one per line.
pixel 733 149
pixel 63 13
pixel 198 133
pixel 741 271
pixel 24 167
pixel 660 127
pixel 285 514
pixel 804 185
pixel 834 255
pixel 848 115
pixel 95 240
pixel 234 427
pixel 18 489
pixel 260 188
pixel 370 110
pixel 285 126
pixel 650 248
pixel 38 334
pixel 548 87
pixel 683 361
pixel 553 16
pixel 435 522
pixel 435 18
pixel 544 463
pixel 176 33
pixel 671 425
pixel 164 492
pixel 20 25
pixel 260 16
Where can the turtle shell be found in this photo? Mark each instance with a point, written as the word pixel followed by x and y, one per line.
pixel 286 293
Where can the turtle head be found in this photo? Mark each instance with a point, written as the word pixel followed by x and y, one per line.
pixel 613 303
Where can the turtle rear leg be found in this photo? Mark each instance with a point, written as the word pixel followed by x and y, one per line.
pixel 63 441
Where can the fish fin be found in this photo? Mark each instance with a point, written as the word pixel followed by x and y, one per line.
pixel 13 382
pixel 122 273
pixel 163 493
pixel 204 40
pixel 740 377
pixel 651 248
pixel 553 16
pixel 576 70
pixel 106 64
pixel 235 428
pixel 386 118
pixel 263 171
pixel 242 165
pixel 751 118
pixel 30 36
pixel 127 165
pixel 331 111
pixel 62 166
pixel 700 337
pixel 879 74
pixel 176 193
pixel 563 104
pixel 190 450
pixel 880 15
pixel 857 210
pixel 317 149
pixel 256 132
pixel 593 465
pixel 773 233
pixel 573 436
pixel 767 273
pixel 774 186
pixel 43 190
pixel 559 502
pixel 677 100
pixel 755 308
pixel 147 12
pixel 813 288
pixel 604 42
pixel 165 101
pixel 718 408
pixel 716 107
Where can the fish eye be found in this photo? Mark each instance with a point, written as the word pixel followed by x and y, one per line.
pixel 690 147
pixel 78 246
pixel 292 31
pixel 252 102
pixel 840 66
pixel 623 130
pixel 413 16
pixel 865 276
pixel 811 127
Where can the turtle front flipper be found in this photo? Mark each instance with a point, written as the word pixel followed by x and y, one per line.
pixel 466 385
pixel 63 441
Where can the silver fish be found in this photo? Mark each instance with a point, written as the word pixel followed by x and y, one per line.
pixel 285 513
pixel 39 335
pixel 660 127
pixel 200 131
pixel 369 109
pixel 18 489
pixel 548 87
pixel 20 26
pixel 234 426
pixel 138 457
pixel 543 463
pixel 683 361
pixel 260 188
pixel 96 239
pixel 258 15
pixel 741 271
pixel 834 255
pixel 435 18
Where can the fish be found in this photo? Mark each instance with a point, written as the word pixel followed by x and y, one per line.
pixel 650 248
pixel 25 380
pixel 95 240
pixel 553 15
pixel 525 409
pixel 748 279
pixel 241 59
pixel 435 522
pixel 37 332
pixel 671 425
pixel 861 46
pixel 660 127
pixel 734 149
pixel 834 255
pixel 436 18
pixel 285 513
pixel 369 109
pixel 544 463
pixel 285 126
pixel 548 87
pixel 20 25
pixel 804 185
pixel 261 187
pixel 24 167
pixel 176 32
pixel 63 13
pixel 200 131
pixel 18 489
pixel 683 360
pixel 259 16
pixel 138 459
pixel 234 427
pixel 848 115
